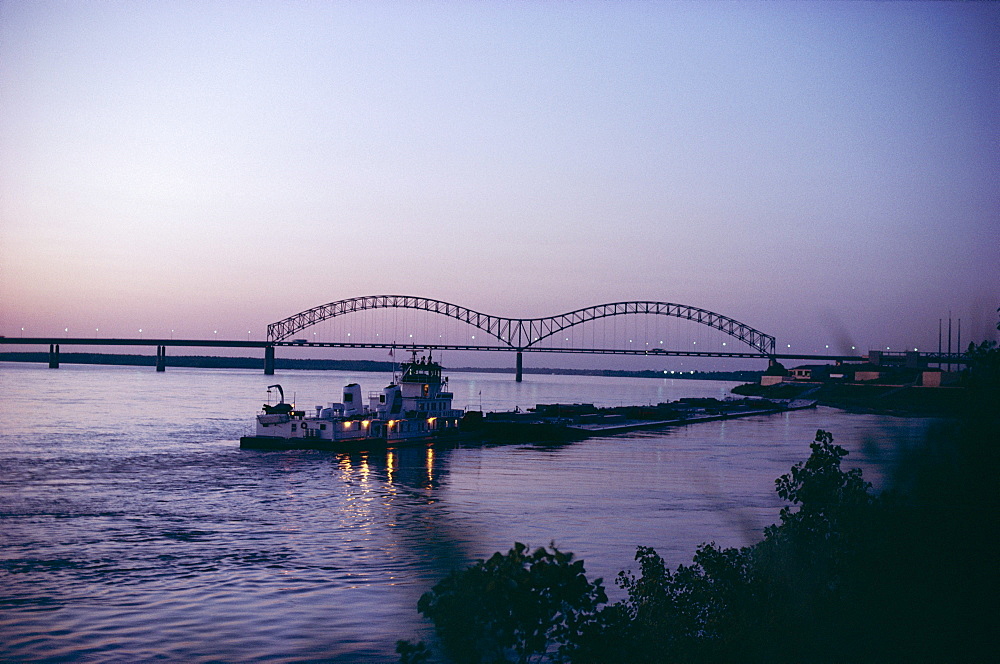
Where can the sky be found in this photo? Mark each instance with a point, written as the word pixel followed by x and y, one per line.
pixel 815 170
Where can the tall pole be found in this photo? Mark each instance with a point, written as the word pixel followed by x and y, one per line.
pixel 940 321
pixel 949 341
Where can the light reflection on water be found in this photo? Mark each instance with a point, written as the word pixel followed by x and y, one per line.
pixel 132 527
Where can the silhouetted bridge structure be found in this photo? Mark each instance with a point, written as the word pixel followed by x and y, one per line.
pixel 518 335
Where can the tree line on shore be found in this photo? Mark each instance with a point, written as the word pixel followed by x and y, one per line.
pixel 224 362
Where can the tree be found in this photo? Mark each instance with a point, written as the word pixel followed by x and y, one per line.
pixel 778 600
pixel 514 607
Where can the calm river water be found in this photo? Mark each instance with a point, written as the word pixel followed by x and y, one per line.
pixel 133 528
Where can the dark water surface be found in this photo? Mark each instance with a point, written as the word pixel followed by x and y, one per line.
pixel 133 528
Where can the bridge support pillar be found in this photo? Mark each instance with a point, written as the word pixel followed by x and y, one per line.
pixel 53 356
pixel 519 371
pixel 161 358
pixel 268 360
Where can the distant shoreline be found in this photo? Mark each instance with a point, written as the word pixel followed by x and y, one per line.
pixel 215 362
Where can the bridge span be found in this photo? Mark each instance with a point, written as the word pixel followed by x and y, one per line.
pixel 55 343
pixel 518 335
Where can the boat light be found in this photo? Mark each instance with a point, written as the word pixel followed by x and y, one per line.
pixel 365 423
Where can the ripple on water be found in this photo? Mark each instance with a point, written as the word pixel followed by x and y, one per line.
pixel 132 528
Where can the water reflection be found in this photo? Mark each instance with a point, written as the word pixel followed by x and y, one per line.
pixel 430 467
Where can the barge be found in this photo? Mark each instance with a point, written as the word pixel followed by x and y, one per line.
pixel 568 422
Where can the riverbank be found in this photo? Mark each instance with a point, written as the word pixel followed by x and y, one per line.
pixel 900 400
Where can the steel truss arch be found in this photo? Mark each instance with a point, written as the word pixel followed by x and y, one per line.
pixel 521 333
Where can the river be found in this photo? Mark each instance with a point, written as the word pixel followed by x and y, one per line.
pixel 133 528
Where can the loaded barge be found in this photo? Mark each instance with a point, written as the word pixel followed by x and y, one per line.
pixel 561 422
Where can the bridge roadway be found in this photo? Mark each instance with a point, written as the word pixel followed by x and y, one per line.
pixel 54 344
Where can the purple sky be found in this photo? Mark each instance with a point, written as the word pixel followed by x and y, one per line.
pixel 820 171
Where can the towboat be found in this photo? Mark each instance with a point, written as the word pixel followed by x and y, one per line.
pixel 414 407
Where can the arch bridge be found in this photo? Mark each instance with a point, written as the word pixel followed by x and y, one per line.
pixel 516 334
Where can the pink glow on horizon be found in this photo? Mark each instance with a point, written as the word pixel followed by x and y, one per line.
pixel 812 169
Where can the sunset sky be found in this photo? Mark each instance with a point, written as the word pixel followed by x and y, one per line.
pixel 815 170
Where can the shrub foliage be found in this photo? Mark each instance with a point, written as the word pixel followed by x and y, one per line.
pixel 845 576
